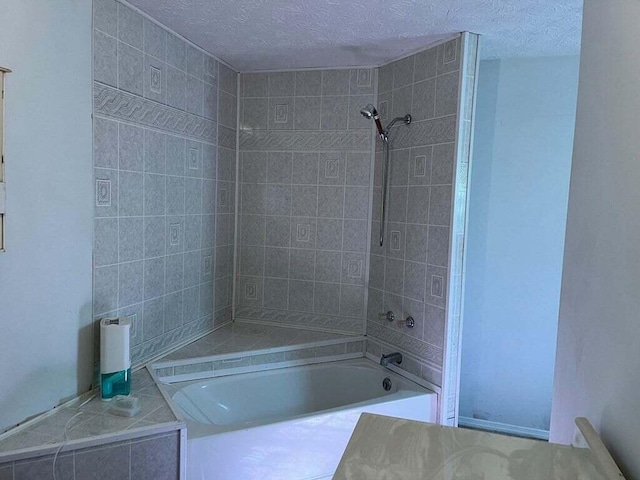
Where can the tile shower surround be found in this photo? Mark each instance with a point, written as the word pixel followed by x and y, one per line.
pixel 164 117
pixel 409 274
pixel 305 167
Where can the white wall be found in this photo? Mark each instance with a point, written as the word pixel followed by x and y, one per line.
pixel 598 364
pixel 45 274
pixel 519 186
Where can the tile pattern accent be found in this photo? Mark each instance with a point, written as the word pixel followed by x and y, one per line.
pixel 264 361
pixel 149 349
pixel 146 458
pixel 427 132
pixel 357 141
pixel 120 105
pixel 410 275
pixel 103 193
pixel 237 346
pixel 227 137
pixel 305 162
pixel 163 239
pixel 243 336
pixel 295 318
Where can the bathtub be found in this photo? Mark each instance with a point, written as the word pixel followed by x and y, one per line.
pixel 290 423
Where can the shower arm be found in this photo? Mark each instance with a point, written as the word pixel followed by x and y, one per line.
pixel 385 133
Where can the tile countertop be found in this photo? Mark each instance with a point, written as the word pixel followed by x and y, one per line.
pixel 42 434
pixel 386 448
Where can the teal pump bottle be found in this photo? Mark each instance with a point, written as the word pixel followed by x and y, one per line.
pixel 115 362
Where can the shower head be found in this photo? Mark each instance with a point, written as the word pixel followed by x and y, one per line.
pixel 371 113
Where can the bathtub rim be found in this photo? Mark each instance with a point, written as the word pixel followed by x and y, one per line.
pixel 168 389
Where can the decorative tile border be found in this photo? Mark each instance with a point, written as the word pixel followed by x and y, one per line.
pixel 226 137
pixel 156 346
pixel 427 132
pixel 429 353
pixel 111 102
pixel 287 140
pixel 300 319
pixel 250 361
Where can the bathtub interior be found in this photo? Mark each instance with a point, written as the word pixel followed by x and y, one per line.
pixel 296 444
pixel 247 400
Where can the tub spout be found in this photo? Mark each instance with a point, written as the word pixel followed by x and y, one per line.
pixel 395 357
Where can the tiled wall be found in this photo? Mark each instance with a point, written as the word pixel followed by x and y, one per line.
pixel 165 118
pixel 164 157
pixel 148 458
pixel 409 275
pixel 305 163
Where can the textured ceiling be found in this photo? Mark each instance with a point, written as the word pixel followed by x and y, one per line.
pixel 285 34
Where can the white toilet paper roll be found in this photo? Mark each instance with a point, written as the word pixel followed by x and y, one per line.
pixel 114 345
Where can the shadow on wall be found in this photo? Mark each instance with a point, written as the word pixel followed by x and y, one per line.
pixel 89 348
pixel 53 373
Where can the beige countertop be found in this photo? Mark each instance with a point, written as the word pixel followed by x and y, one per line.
pixel 392 448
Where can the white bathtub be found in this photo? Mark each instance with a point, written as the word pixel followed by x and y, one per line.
pixel 291 423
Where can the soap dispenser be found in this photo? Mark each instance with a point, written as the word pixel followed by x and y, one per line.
pixel 115 362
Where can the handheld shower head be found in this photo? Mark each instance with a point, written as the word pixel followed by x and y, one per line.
pixel 368 111
pixel 371 113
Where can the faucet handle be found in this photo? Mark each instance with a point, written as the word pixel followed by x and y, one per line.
pixel 389 316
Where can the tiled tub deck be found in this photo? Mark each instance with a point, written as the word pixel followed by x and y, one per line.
pixel 244 347
pixel 96 442
pixel 151 445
